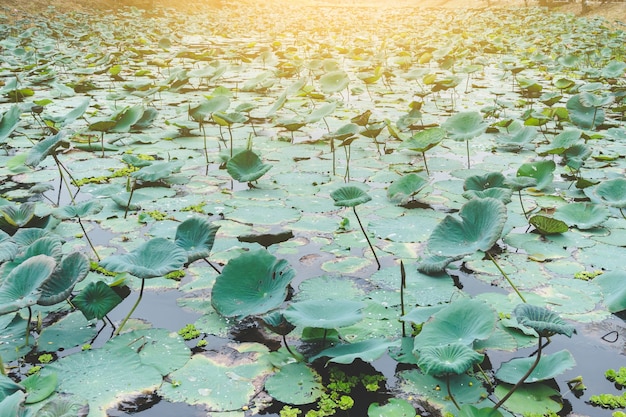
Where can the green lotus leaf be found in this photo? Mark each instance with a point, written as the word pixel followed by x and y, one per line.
pixel 72 269
pixel 582 215
pixel 425 139
pixel 549 366
pixel 324 314
pixel 164 350
pixel 228 119
pixel 21 287
pixel 344 132
pixel 547 225
pixel 560 143
pixel 395 407
pixel 96 300
pixel 102 126
pixel 613 286
pixel 575 156
pixel 251 284
pixel 8 387
pixel 451 358
pixel 61 407
pixel 196 236
pixel 367 350
pixel 295 383
pixel 71 331
pixel 465 125
pixel 18 215
pixel 463 321
pixel 126 118
pixel 545 322
pixel 148 116
pixel 42 149
pixel 154 258
pixel 107 382
pixel 585 117
pixel 12 405
pixel 9 121
pixel 135 161
pixel 533 398
pixel 334 81
pixel 81 209
pixel 435 264
pixel 613 69
pixel 321 112
pixel 542 171
pixel 277 323
pixel 479 227
pixel 246 166
pixel 349 196
pixel 589 99
pixel 404 189
pixel 468 410
pixel 612 192
pixel 502 194
pixel 206 107
pixel 38 387
pixel 484 182
pixel 157 171
pixel 28 236
pixel 362 119
pixel 71 116
pixel 520 183
pixel 13 338
pixel 8 247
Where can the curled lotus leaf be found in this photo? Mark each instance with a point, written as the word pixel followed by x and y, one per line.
pixel 154 258
pixel 424 140
pixel 334 81
pixel 548 367
pixel 349 196
pixel 479 227
pixel 18 215
pixel 9 121
pixel 72 269
pixel 484 182
pixel 545 322
pixel 251 284
pixel 96 300
pixel 465 125
pixel 547 225
pixel 324 314
pixel 452 358
pixel 246 166
pixel 404 189
pixel 196 236
pixel 81 209
pixel 583 215
pixel 612 192
pixel 542 171
pixel 42 149
pixel 157 171
pixel 21 287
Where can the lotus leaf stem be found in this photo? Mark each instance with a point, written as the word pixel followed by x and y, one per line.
pixel 62 168
pixel 88 239
pixel 30 317
pixel 450 392
pixel 402 287
pixel 521 202
pixel 130 197
pixel 425 164
pixel 523 378
pixel 468 155
pixel 506 277
pixel 132 310
pixel 622 213
pixel 287 346
pixel 366 238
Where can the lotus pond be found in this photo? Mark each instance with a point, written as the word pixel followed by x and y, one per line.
pixel 312 211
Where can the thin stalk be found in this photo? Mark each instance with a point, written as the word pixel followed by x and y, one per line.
pixel 482 372
pixel 212 266
pixel 450 393
pixel 468 156
pixel 60 167
pixel 519 193
pixel 230 134
pixel 287 346
pixel 366 238
pixel 523 378
pixel 402 287
pixel 506 277
pixel 622 213
pixel 332 149
pixel 425 164
pixel 30 317
pixel 130 197
pixel 206 151
pixel 132 310
pixel 88 240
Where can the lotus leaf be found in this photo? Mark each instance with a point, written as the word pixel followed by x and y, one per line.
pixel 468 410
pixel 42 149
pixel 368 350
pixel 613 286
pixel 542 171
pixel 484 182
pixel 324 314
pixel 425 139
pixel 575 156
pixel 107 382
pixel 395 407
pixel 612 191
pixel 251 284
pixel 73 268
pixel 295 383
pixel 158 171
pixel 196 235
pixel 583 215
pixel 18 215
pixel 321 112
pixel 465 125
pixel 246 166
pixel 435 264
pixel 334 81
pixel 583 116
pixel 81 209
pixel 126 118
pixel 61 407
pixel 404 189
pixel 11 405
pixel 547 225
pixel 463 321
pixel 22 286
pixel 154 258
pixel 344 132
pixel 480 226
pixel 560 143
pixel 549 366
pixel 349 196
pixel 8 122
pixel 532 398
pixel 38 387
pixel 545 322
pixel 70 331
pixel 96 300
pixel 451 358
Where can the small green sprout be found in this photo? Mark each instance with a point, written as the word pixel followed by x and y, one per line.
pixel 197 208
pixel 609 400
pixel 201 343
pixel 288 411
pixel 619 376
pixel 175 275
pixel 86 346
pixel 45 358
pixel 33 370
